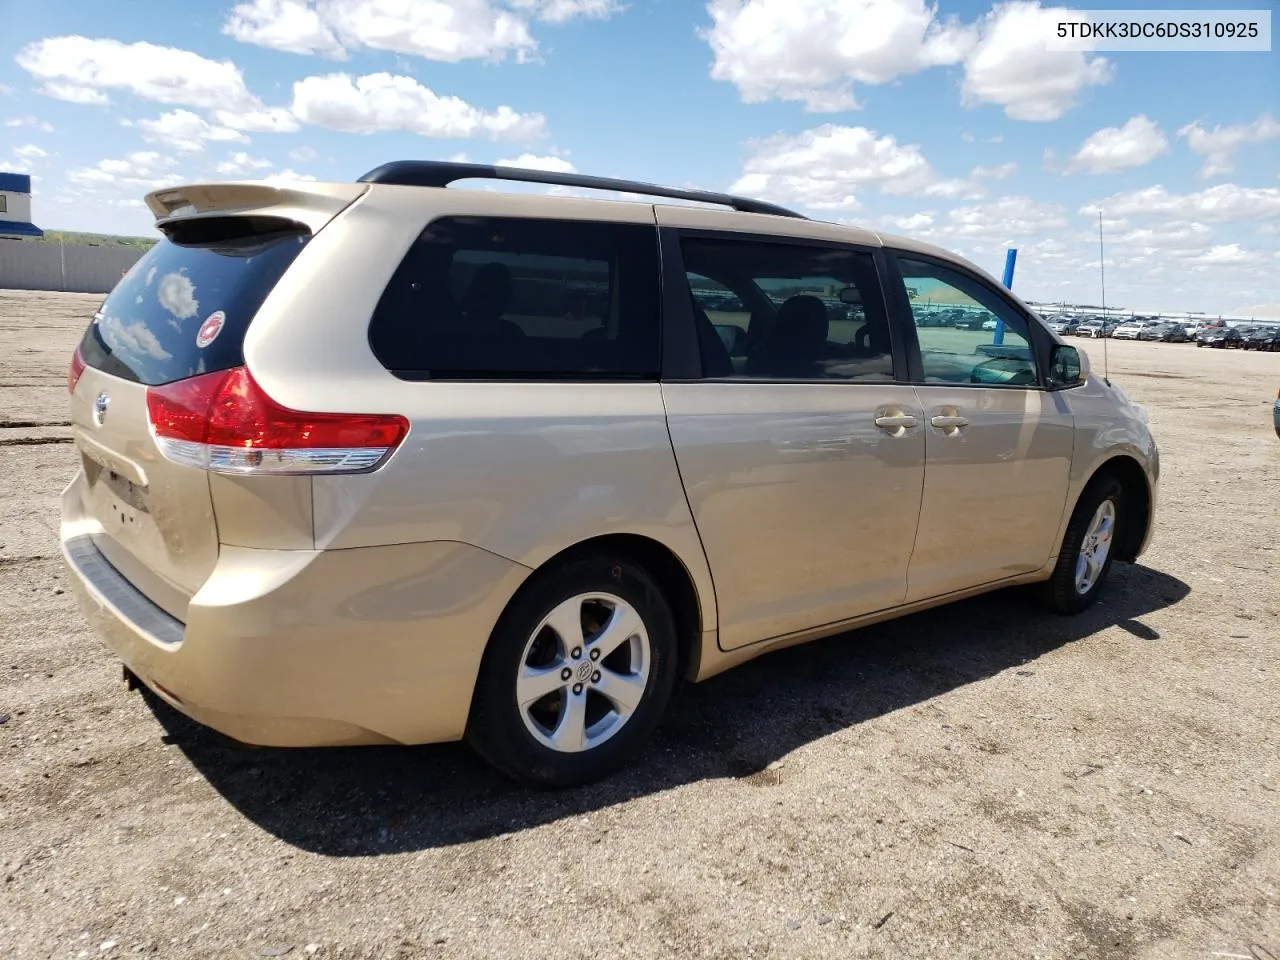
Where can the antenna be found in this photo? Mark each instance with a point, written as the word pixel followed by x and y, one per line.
pixel 1102 267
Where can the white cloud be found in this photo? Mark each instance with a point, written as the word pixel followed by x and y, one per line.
pixel 1217 145
pixel 306 154
pixel 134 174
pixel 814 51
pixel 825 168
pixel 44 126
pixel 559 11
pixel 1227 254
pixel 82 70
pixel 531 161
pixel 1010 66
pixel 290 25
pixel 1223 203
pixel 258 120
pixel 185 132
pixel 177 294
pixel 1111 149
pixel 1178 234
pixel 427 28
pixel 240 162
pixel 380 102
pixel 912 223
pixel 29 151
pixel 74 93
pixel 434 29
pixel 1004 219
pixel 289 176
pixel 994 173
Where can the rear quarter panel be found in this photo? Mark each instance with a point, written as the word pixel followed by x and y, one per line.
pixel 523 470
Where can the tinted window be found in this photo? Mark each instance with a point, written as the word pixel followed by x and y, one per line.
pixel 967 332
pixel 485 297
pixel 787 311
pixel 150 328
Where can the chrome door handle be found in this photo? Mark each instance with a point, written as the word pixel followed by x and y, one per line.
pixel 949 423
pixel 896 422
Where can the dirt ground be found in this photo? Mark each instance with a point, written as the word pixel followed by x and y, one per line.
pixel 978 781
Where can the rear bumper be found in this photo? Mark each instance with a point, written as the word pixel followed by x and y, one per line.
pixel 311 648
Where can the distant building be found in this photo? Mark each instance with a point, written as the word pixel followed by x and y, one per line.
pixel 15 206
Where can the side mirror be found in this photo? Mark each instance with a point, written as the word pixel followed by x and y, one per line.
pixel 733 337
pixel 850 295
pixel 1068 367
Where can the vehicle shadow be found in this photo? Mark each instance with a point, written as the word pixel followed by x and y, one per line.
pixel 360 801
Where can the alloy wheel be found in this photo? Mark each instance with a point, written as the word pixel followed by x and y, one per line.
pixel 583 672
pixel 1096 547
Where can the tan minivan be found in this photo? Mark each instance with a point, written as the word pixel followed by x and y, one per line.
pixel 386 462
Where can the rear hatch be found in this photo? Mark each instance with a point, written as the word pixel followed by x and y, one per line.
pixel 181 313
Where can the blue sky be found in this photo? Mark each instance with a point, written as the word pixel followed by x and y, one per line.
pixel 949 122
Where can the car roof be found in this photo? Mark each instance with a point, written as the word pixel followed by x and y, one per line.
pixel 423 178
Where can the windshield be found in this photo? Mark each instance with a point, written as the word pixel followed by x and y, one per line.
pixel 184 308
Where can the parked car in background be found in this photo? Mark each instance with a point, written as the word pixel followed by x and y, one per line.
pixel 1166 332
pixel 1219 337
pixel 1096 329
pixel 1063 326
pixel 1258 337
pixel 1129 330
pixel 1266 338
pixel 406 476
pixel 1206 327
pixel 1275 414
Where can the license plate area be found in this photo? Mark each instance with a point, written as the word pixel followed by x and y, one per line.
pixel 120 502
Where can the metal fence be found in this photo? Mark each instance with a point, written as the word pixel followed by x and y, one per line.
pixel 74 268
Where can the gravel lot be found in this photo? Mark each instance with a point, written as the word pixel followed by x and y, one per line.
pixel 978 781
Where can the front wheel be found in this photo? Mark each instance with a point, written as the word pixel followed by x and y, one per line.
pixel 1087 548
pixel 577 674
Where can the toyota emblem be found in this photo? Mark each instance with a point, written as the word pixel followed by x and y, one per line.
pixel 100 408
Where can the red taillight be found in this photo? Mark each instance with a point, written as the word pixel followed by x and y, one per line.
pixel 225 422
pixel 77 368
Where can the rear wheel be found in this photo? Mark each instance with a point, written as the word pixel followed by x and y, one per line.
pixel 577 674
pixel 1087 548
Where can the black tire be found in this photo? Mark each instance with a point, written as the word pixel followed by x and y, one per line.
pixel 496 728
pixel 1059 593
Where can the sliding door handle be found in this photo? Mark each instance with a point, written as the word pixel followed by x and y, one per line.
pixel 897 422
pixel 949 423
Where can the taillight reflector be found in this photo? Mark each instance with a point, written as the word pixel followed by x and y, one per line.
pixel 77 368
pixel 225 422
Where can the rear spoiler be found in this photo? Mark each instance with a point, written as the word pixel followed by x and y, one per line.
pixel 310 204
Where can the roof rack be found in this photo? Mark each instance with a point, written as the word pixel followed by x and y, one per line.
pixel 439 173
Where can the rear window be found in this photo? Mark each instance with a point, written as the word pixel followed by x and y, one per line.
pixel 481 297
pixel 183 309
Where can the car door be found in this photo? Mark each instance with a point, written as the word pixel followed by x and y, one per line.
pixel 997 446
pixel 802 457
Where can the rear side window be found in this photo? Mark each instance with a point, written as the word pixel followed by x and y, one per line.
pixel 481 297
pixel 183 309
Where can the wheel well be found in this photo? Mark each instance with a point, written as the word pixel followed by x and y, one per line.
pixel 1137 515
pixel 672 576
